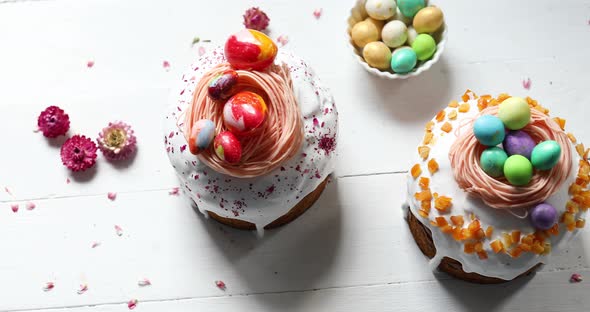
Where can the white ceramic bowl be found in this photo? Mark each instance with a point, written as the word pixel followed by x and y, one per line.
pixel 358 13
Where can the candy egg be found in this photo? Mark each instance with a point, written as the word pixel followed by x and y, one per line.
pixel 409 8
pixel 379 24
pixel 515 113
pixel 546 155
pixel 222 85
pixel 412 34
pixel 244 112
pixel 201 136
pixel 428 20
pixel 518 142
pixel 518 170
pixel 400 17
pixel 250 50
pixel 377 55
pixel 492 161
pixel 394 33
pixel 543 216
pixel 380 9
pixel 424 46
pixel 228 147
pixel 489 130
pixel 403 60
pixel 363 33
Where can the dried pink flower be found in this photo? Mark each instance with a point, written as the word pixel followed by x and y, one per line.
pixel 118 230
pixel 83 289
pixel 112 196
pixel 220 285
pixel 132 304
pixel 202 51
pixel 144 282
pixel 256 19
pixel 166 65
pixel 117 141
pixel 90 63
pixel 95 244
pixel 14 208
pixel 48 286
pixel 53 122
pixel 317 13
pixel 283 40
pixel 31 206
pixel 174 191
pixel 576 278
pixel 78 153
pixel 526 83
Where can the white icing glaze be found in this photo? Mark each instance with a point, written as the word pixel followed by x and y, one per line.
pixel 497 265
pixel 259 200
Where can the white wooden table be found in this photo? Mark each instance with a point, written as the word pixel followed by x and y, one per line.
pixel 351 252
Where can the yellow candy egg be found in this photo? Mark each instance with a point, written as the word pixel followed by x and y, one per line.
pixel 377 55
pixel 363 33
pixel 379 24
pixel 428 20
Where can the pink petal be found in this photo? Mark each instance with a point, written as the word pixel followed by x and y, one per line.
pixel 132 304
pixel 576 278
pixel 174 191
pixel 166 65
pixel 118 230
pixel 220 285
pixel 317 13
pixel 526 83
pixel 95 244
pixel 31 206
pixel 202 51
pixel 7 191
pixel 49 286
pixel 144 282
pixel 14 207
pixel 68 181
pixel 83 289
pixel 112 196
pixel 283 40
pixel 90 63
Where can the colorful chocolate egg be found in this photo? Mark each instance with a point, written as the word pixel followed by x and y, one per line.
pixel 518 170
pixel 380 9
pixel 543 216
pixel 515 113
pixel 518 142
pixel 201 136
pixel 428 20
pixel 228 147
pixel 403 60
pixel 489 130
pixel 377 55
pixel 492 161
pixel 409 8
pixel 250 50
pixel 244 112
pixel 221 86
pixel 546 155
pixel 394 34
pixel 424 46
pixel 364 32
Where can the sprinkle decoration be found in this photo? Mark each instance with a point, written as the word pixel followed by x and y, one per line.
pixel 118 230
pixel 14 208
pixel 166 65
pixel 31 206
pixel 112 196
pixel 132 304
pixel 174 191
pixel 220 285
pixel 78 153
pixel 90 63
pixel 144 282
pixel 95 244
pixel 202 51
pixel 317 13
pixel 117 141
pixel 53 122
pixel 48 286
pixel 576 278
pixel 83 289
pixel 526 83
pixel 283 40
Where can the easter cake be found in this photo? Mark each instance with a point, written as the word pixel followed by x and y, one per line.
pixel 498 186
pixel 251 133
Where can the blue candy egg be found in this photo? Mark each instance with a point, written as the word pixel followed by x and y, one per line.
pixel 545 155
pixel 403 60
pixel 489 130
pixel 492 161
pixel 201 136
pixel 409 8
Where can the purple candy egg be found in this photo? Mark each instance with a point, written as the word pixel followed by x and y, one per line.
pixel 518 143
pixel 543 216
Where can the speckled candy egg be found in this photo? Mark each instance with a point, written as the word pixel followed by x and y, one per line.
pixel 380 9
pixel 394 34
pixel 250 50
pixel 518 142
pixel 409 8
pixel 518 170
pixel 228 147
pixel 492 161
pixel 377 55
pixel 489 130
pixel 244 112
pixel 515 113
pixel 403 60
pixel 222 85
pixel 364 32
pixel 201 136
pixel 546 155
pixel 428 20
pixel 424 46
pixel 543 216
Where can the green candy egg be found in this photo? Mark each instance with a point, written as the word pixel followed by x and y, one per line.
pixel 546 155
pixel 518 170
pixel 492 161
pixel 424 46
pixel 409 8
pixel 403 60
pixel 515 113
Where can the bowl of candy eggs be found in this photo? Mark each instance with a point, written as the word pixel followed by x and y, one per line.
pixel 396 39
